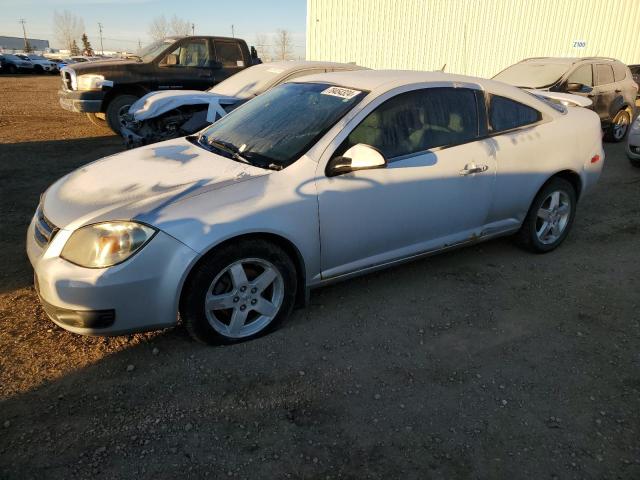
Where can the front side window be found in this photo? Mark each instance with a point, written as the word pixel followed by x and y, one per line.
pixel 194 53
pixel 582 75
pixel 604 74
pixel 619 72
pixel 280 125
pixel 418 121
pixel 229 54
pixel 507 114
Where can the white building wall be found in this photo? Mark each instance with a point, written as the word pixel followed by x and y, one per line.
pixel 473 37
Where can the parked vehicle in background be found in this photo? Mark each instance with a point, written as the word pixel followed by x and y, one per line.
pixel 110 87
pixel 635 73
pixel 316 180
pixel 164 115
pixel 40 64
pixel 15 64
pixel 606 81
pixel 633 143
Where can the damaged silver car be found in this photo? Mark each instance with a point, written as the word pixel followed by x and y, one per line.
pixel 165 115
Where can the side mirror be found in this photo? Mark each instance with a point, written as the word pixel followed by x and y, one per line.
pixel 577 87
pixel 358 157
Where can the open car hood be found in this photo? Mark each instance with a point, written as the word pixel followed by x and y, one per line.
pixel 156 103
pixel 564 98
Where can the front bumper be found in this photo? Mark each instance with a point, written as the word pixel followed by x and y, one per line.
pixel 81 101
pixel 139 294
pixel 633 144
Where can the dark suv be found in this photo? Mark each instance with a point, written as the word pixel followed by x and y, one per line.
pixel 606 81
pixel 105 89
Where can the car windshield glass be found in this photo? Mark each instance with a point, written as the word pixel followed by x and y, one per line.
pixel 250 81
pixel 532 75
pixel 280 125
pixel 10 57
pixel 150 52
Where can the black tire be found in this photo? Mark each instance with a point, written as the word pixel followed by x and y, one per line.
pixel 98 119
pixel 116 108
pixel 619 128
pixel 11 69
pixel 527 236
pixel 38 70
pixel 192 302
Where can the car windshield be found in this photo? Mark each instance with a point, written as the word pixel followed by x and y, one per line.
pixel 532 75
pixel 249 82
pixel 10 57
pixel 277 127
pixel 150 52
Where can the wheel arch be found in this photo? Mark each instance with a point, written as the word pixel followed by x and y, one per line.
pixel 287 245
pixel 570 176
pixel 136 90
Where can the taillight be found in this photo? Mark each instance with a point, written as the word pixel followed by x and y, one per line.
pixel 595 159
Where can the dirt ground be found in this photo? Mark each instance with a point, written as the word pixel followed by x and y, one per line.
pixel 487 362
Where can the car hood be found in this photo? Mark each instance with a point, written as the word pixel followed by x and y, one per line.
pixel 157 103
pixel 102 66
pixel 139 183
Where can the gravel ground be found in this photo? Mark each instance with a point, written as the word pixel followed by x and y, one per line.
pixel 487 362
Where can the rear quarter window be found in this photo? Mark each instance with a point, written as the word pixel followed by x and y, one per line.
pixel 619 72
pixel 507 114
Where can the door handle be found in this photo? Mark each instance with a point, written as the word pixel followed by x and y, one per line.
pixel 473 168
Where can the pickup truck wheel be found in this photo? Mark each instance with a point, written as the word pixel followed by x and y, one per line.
pixel 117 108
pixel 98 119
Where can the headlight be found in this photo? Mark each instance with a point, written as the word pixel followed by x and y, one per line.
pixel 106 244
pixel 90 82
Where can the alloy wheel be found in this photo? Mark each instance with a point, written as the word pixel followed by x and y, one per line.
pixel 553 217
pixel 244 298
pixel 620 125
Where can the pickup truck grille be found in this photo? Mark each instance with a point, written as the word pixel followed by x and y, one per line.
pixel 44 230
pixel 66 80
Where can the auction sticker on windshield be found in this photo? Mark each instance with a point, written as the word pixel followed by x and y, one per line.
pixel 341 92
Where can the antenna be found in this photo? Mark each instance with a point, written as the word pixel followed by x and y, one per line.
pixel 101 47
pixel 193 29
pixel 232 32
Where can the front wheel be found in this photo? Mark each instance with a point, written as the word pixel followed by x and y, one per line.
pixel 239 292
pixel 619 127
pixel 549 218
pixel 116 111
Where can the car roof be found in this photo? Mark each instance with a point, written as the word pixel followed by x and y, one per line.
pixel 566 60
pixel 302 64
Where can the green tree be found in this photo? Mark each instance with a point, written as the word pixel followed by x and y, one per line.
pixel 75 50
pixel 86 45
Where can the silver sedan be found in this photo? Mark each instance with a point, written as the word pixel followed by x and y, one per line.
pixel 315 181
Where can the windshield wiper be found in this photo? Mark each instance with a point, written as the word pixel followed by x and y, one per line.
pixel 233 151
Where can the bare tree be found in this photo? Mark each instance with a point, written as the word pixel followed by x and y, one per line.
pixel 68 27
pixel 179 26
pixel 159 28
pixel 282 45
pixel 262 45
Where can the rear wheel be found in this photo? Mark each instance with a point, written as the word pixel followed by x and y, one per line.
pixel 98 119
pixel 619 127
pixel 239 292
pixel 11 69
pixel 117 109
pixel 550 217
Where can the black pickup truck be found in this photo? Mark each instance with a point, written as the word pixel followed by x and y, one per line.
pixel 105 89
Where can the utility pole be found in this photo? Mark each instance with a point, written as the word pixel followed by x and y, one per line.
pixel 24 32
pixel 193 29
pixel 232 33
pixel 139 45
pixel 101 47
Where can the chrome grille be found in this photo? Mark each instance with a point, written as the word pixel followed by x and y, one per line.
pixel 44 230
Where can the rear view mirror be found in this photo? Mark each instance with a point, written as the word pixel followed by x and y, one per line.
pixel 358 157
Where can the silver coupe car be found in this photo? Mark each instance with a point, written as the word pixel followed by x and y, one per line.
pixel 317 180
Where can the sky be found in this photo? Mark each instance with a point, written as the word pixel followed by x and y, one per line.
pixel 125 22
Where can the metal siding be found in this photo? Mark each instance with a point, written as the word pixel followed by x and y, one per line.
pixel 473 37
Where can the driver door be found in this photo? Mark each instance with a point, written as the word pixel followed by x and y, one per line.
pixel 435 192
